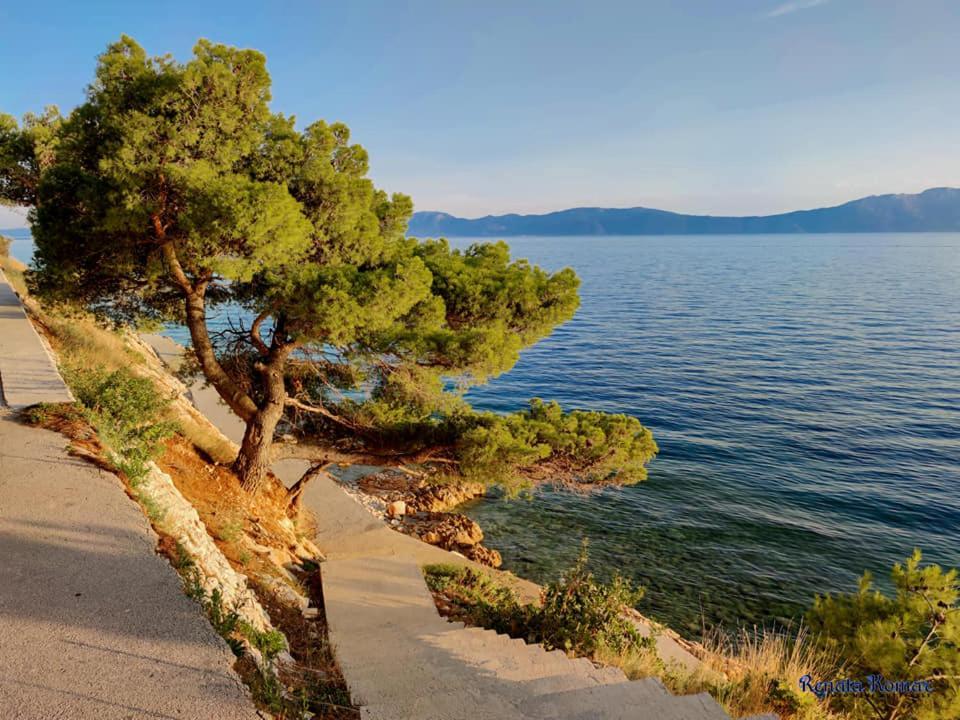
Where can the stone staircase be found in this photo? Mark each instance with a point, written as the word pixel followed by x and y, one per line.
pixel 402 661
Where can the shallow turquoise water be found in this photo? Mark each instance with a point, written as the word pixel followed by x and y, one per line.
pixel 805 394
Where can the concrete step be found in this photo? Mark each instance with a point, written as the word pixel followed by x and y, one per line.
pixel 402 661
pixel 637 700
pixel 699 707
pixel 615 701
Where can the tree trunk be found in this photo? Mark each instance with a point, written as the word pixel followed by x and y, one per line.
pixel 235 398
pixel 194 297
pixel 254 458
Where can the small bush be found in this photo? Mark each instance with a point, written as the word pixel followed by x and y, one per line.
pixel 270 643
pixel 486 602
pixel 126 411
pixel 912 637
pixel 231 530
pixel 578 614
pixel 581 615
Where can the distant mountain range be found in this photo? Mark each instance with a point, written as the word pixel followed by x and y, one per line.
pixel 934 210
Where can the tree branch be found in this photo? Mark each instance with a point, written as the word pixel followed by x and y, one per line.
pixel 255 332
pixel 322 411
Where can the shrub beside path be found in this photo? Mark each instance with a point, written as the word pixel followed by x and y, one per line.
pixel 93 623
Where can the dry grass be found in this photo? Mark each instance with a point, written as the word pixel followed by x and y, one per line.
pixel 13 269
pixel 84 342
pixel 750 673
pixel 762 668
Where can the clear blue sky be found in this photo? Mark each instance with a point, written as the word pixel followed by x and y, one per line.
pixel 489 106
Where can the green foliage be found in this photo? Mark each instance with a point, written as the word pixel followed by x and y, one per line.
pixel 225 621
pixel 578 614
pixel 40 414
pixel 231 530
pixel 5 246
pixel 487 603
pixel 577 446
pixel 581 615
pixel 270 643
pixel 913 635
pixel 126 411
pixel 25 151
pixel 174 188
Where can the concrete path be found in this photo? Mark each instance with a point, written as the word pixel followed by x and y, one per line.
pixel 93 623
pixel 403 661
pixel 28 373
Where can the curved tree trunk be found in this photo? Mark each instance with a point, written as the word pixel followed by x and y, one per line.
pixel 254 459
pixel 196 311
pixel 235 398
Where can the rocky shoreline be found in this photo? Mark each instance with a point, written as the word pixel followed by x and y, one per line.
pixel 415 506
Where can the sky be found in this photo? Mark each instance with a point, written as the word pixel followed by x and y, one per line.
pixel 487 107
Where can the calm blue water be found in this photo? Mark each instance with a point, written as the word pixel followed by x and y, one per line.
pixel 805 394
pixel 22 246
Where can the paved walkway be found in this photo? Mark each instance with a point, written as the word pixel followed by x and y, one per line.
pixel 93 623
pixel 403 661
pixel 27 371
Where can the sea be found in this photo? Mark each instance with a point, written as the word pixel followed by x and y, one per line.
pixel 805 394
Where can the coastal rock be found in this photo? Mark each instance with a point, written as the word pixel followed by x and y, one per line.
pixel 484 556
pixel 451 531
pixel 438 498
pixel 446 530
pixel 425 511
pixel 419 494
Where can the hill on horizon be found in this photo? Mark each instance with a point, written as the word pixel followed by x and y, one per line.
pixel 933 210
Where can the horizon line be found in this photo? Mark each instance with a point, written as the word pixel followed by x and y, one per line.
pixel 677 212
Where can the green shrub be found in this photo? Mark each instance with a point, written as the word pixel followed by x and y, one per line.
pixel 581 615
pixel 487 603
pixel 270 643
pixel 913 636
pixel 572 447
pixel 126 411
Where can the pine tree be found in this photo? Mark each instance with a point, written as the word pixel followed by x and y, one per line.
pixel 173 191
